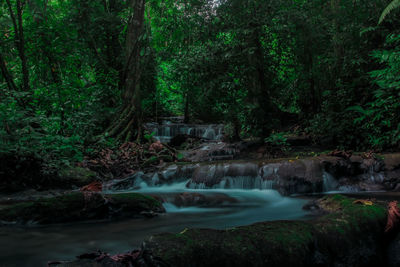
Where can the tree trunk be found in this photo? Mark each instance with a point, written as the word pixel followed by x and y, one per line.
pixel 20 41
pixel 186 115
pixel 128 124
pixel 259 92
pixel 7 75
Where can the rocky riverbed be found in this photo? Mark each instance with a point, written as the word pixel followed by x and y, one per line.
pixel 350 234
pixel 219 196
pixel 288 176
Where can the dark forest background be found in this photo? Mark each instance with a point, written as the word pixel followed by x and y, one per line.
pixel 79 74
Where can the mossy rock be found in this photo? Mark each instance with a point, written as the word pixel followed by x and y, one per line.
pixel 79 207
pixel 77 176
pixel 350 235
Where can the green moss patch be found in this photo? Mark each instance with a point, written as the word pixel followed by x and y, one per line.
pixel 349 235
pixel 77 207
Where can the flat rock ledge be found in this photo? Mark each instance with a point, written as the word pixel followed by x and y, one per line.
pixel 80 207
pixel 348 234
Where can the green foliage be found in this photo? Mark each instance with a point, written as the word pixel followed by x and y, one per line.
pixel 148 137
pixel 244 63
pixel 277 139
pixel 392 6
pixel 379 118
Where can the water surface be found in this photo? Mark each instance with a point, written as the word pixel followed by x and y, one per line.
pixel 34 246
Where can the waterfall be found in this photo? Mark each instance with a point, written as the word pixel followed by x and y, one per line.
pixel 242 182
pixel 329 182
pixel 166 131
pixel 209 133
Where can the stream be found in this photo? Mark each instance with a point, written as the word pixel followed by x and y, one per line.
pixel 35 245
pixel 216 195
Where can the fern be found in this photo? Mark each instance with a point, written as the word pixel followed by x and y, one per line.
pixel 393 5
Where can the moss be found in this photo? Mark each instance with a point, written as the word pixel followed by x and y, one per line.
pixel 143 201
pixel 75 207
pixel 282 243
pixel 77 175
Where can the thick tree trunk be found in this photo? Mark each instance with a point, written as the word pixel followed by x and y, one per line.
pixel 128 124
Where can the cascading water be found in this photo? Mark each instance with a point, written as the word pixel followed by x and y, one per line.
pixel 209 133
pixel 329 182
pixel 217 195
pixel 167 130
pixel 236 183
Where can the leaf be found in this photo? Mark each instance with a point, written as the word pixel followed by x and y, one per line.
pixel 357 109
pixel 393 5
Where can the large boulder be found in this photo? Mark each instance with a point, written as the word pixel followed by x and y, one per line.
pixel 75 176
pixel 299 176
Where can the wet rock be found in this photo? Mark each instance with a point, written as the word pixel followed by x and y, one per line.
pixel 212 151
pixel 80 207
pixel 300 176
pixel 78 176
pixel 169 173
pixel 180 139
pixel 351 235
pixel 130 182
pixel 307 175
pixel 391 161
pixel 225 175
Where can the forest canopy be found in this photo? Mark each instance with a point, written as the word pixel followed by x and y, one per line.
pixel 81 72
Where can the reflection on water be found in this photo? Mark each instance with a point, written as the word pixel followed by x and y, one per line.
pixel 34 246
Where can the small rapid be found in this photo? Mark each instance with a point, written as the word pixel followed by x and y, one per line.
pixel 234 206
pixel 218 208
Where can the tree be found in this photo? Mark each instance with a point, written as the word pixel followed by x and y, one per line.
pixel 20 40
pixel 129 124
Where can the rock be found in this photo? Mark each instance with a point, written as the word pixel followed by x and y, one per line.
pixel 80 207
pixel 391 161
pixel 228 175
pixel 288 176
pixel 180 139
pixel 131 182
pixel 77 176
pixel 393 255
pixel 212 152
pixel 168 173
pixel 350 235
pixel 300 176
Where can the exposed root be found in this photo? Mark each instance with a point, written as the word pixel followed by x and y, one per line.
pixel 393 216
